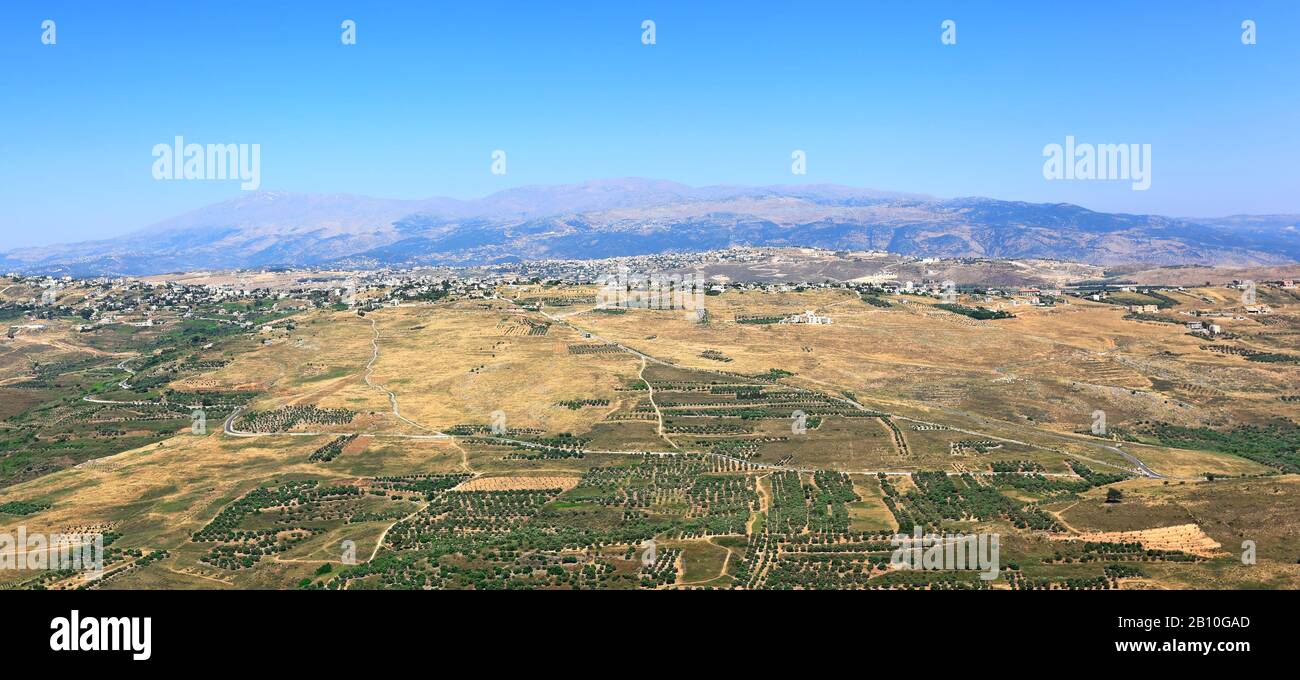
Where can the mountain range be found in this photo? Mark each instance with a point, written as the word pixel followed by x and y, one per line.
pixel 609 218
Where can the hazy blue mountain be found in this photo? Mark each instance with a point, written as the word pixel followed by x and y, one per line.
pixel 636 217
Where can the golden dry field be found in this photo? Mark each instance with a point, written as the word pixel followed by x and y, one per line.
pixel 528 439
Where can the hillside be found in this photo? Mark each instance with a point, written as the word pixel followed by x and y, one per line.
pixel 622 217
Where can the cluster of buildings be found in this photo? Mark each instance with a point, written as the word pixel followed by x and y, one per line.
pixel 808 317
pixel 1142 309
pixel 1209 330
pixel 108 300
pixel 116 301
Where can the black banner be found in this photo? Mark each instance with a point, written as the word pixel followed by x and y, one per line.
pixel 228 630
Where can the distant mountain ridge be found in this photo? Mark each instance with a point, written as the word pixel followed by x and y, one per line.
pixel 609 218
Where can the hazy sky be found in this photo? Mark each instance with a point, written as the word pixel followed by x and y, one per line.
pixel 729 90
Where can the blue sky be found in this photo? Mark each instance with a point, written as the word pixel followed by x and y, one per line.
pixel 417 106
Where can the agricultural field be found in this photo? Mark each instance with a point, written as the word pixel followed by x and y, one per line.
pixel 520 437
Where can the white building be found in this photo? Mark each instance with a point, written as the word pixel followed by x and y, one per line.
pixel 808 317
